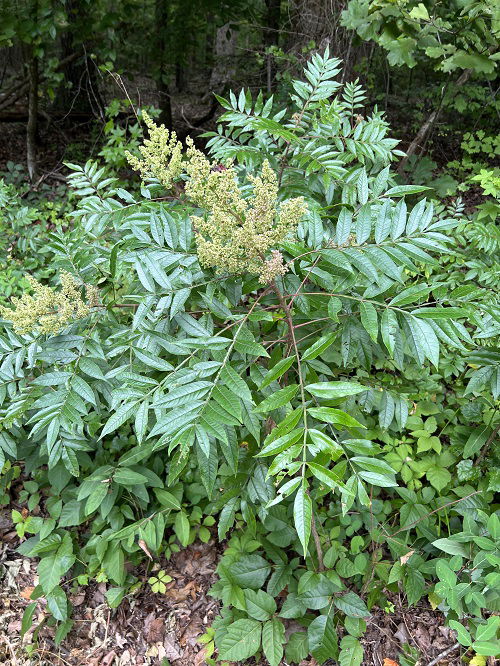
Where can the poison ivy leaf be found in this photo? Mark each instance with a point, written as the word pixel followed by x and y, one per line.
pixel 241 641
pixel 322 638
pixel 352 605
pixel 297 647
pixel 250 571
pixel 259 604
pixel 57 603
pixel 27 619
pixel 273 637
pixel 351 652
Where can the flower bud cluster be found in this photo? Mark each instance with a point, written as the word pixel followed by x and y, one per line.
pixel 162 154
pixel 48 310
pixel 235 228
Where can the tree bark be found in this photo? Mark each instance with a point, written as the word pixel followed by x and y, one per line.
pixel 224 67
pixel 271 37
pixel 165 104
pixel 79 90
pixel 32 126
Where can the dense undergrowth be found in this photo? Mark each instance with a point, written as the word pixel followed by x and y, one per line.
pixel 330 406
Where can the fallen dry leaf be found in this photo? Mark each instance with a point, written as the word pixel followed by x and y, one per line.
pixel 154 629
pixel 108 659
pixel 142 545
pixel 26 593
pixel 404 559
pixel 183 593
pixel 390 662
pixel 199 659
pixel 170 644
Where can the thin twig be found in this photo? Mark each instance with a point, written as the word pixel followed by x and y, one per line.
pixel 489 442
pixel 443 654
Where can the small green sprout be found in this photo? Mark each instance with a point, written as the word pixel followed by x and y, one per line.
pixel 159 582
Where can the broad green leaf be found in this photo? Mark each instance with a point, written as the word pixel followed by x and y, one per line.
pixel 27 619
pixel 166 499
pixel 325 443
pixel 475 442
pixel 122 414
pixel 405 190
pixel 141 420
pixel 182 528
pixel 276 371
pixel 96 498
pixel 259 604
pixel 282 443
pixel 388 328
pixel 414 293
pixel 351 652
pixel 57 603
pixel 439 477
pixel 352 605
pixel 463 635
pixel 319 346
pixel 273 637
pixel 328 477
pixel 250 571
pixel 297 647
pixel 128 477
pixel 451 547
pixel 322 638
pixel 241 641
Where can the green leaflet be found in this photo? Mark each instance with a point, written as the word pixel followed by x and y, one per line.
pixel 278 399
pixel 334 390
pixel 277 371
pixel 241 641
pixel 302 515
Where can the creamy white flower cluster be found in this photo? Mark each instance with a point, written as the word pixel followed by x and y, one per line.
pixel 49 310
pixel 234 233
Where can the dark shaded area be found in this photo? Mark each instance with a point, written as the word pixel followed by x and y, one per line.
pixel 63 63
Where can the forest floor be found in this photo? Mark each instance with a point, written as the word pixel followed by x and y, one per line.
pixel 150 628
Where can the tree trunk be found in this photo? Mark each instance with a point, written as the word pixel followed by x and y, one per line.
pixel 224 67
pixel 161 15
pixel 79 90
pixel 422 133
pixel 271 37
pixel 32 126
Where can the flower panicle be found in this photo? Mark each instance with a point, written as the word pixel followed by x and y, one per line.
pixel 235 233
pixel 48 310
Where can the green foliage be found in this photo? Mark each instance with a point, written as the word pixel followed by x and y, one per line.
pixel 25 222
pixel 316 421
pixel 454 36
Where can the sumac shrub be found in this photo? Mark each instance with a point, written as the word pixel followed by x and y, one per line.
pixel 254 343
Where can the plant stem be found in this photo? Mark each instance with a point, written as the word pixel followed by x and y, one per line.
pixel 291 333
